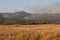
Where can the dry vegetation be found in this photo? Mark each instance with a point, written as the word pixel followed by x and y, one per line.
pixel 30 32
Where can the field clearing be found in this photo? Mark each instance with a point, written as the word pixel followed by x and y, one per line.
pixel 30 32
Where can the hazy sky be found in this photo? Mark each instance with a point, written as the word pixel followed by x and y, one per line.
pixel 27 5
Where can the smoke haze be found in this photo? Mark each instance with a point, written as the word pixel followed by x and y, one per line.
pixel 50 8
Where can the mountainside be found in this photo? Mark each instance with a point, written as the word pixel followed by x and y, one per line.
pixel 16 17
pixel 43 16
pixel 24 17
pixel 20 15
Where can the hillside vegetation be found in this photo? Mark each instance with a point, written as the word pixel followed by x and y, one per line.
pixel 22 17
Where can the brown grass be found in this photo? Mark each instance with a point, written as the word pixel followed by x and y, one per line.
pixel 30 32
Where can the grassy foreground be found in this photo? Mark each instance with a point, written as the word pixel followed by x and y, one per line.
pixel 30 32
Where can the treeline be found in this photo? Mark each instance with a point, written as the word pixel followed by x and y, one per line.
pixel 21 21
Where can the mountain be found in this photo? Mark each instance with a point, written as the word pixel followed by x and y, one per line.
pixel 20 15
pixel 24 17
pixel 17 17
pixel 47 18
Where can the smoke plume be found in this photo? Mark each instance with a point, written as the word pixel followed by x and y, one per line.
pixel 52 8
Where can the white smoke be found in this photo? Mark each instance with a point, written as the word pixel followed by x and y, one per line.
pixel 52 8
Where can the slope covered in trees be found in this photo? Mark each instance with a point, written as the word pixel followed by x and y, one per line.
pixel 22 17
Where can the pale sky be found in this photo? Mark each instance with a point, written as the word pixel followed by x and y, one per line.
pixel 19 5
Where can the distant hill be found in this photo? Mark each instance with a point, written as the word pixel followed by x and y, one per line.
pixel 24 17
pixel 47 18
pixel 16 16
pixel 20 15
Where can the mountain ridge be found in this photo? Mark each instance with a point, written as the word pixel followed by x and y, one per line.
pixel 24 17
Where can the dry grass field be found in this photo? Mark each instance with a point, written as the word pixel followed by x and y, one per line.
pixel 30 32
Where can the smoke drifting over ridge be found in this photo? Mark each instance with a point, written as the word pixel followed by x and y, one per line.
pixel 51 8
